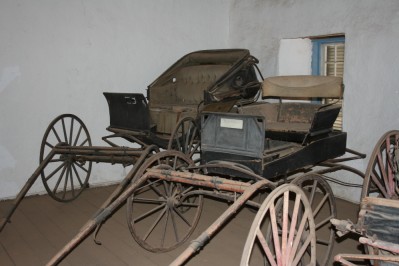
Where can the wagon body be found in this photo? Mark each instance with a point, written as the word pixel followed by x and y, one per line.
pixel 276 139
pixel 209 79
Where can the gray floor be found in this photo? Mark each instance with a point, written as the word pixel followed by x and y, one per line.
pixel 41 226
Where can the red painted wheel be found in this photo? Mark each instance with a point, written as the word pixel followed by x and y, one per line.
pixel 322 201
pixel 283 231
pixel 382 173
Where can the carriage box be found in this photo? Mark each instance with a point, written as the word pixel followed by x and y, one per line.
pixel 233 138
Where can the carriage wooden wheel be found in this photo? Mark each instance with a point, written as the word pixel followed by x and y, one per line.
pixel 186 137
pixel 382 173
pixel 65 177
pixel 283 231
pixel 322 202
pixel 162 215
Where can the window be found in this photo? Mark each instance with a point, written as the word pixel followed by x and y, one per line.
pixel 328 56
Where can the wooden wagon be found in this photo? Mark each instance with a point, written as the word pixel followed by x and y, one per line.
pixel 272 157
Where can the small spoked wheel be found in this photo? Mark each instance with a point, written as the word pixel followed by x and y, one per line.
pixel 283 231
pixel 382 173
pixel 64 177
pixel 161 214
pixel 322 202
pixel 186 137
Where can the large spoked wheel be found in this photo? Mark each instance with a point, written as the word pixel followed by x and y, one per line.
pixel 382 173
pixel 283 231
pixel 186 137
pixel 65 178
pixel 322 202
pixel 162 215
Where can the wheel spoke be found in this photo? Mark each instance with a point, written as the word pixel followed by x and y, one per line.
pixel 71 132
pixel 379 185
pixel 56 135
pixel 275 233
pixel 59 180
pixel 285 225
pixel 77 135
pixel 77 175
pixel 84 142
pixel 172 216
pixel 325 221
pixel 384 174
pixel 182 217
pixel 55 171
pixel 298 235
pixel 157 191
pixel 155 223
pixel 81 167
pixel 150 212
pixel 302 251
pixel 292 231
pixel 266 248
pixel 64 130
pixel 72 185
pixel 49 145
pixel 320 205
pixel 165 227
pixel 311 197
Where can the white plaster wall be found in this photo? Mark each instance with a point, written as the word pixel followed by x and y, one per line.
pixel 59 56
pixel 371 29
pixel 295 57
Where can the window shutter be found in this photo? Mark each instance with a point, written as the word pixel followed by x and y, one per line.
pixel 333 65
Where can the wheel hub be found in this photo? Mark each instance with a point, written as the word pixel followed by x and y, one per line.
pixel 172 202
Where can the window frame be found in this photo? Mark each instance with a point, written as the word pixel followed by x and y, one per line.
pixel 317 44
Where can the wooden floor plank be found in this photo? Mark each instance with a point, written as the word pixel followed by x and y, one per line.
pixel 5 258
pixel 42 226
pixel 15 245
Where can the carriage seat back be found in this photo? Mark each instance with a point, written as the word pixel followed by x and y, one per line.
pixel 186 86
pixel 181 94
pixel 303 87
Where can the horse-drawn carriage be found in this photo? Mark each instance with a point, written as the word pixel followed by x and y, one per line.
pixel 218 141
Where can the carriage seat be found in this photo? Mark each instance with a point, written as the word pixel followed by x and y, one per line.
pixel 298 121
pixel 181 94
